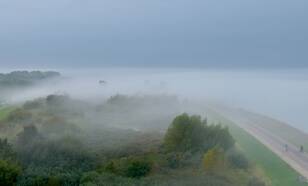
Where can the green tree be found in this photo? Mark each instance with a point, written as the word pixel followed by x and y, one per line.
pixel 133 167
pixel 6 150
pixel 190 133
pixel 8 173
pixel 137 169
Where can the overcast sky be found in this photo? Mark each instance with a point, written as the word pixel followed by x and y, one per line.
pixel 207 33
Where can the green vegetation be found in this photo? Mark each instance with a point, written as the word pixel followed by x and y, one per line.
pixel 4 112
pixel 133 167
pixel 24 78
pixel 214 160
pixel 276 169
pixel 60 141
pixel 8 173
pixel 192 134
pixel 15 82
pixel 9 168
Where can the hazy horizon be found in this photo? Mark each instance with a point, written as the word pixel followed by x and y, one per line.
pixel 162 92
pixel 280 94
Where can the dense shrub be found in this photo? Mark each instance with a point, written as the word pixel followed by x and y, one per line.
pixel 9 172
pixel 134 167
pixel 177 160
pixel 237 160
pixel 214 160
pixel 35 175
pixel 196 179
pixel 9 168
pixel 137 169
pixel 6 150
pixel 107 179
pixel 65 153
pixel 174 160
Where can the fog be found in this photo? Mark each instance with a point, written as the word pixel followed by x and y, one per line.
pixel 281 94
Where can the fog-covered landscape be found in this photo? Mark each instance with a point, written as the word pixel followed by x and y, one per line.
pixel 153 93
pixel 282 90
pixel 128 125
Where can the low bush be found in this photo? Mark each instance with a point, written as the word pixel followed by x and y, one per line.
pixel 9 172
pixel 133 167
pixel 237 160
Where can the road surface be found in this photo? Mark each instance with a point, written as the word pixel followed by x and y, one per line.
pixel 290 154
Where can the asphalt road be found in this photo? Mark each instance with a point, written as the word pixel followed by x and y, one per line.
pixel 285 150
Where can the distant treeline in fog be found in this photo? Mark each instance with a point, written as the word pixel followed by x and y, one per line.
pixel 24 78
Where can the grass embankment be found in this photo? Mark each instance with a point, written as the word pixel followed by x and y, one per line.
pixel 4 111
pixel 279 172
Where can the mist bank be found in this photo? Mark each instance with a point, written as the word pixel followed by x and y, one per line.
pixel 16 82
pixel 126 140
pixel 280 94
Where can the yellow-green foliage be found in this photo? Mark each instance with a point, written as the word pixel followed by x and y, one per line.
pixel 214 160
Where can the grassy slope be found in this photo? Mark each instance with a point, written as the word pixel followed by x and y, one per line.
pixel 4 111
pixel 280 173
